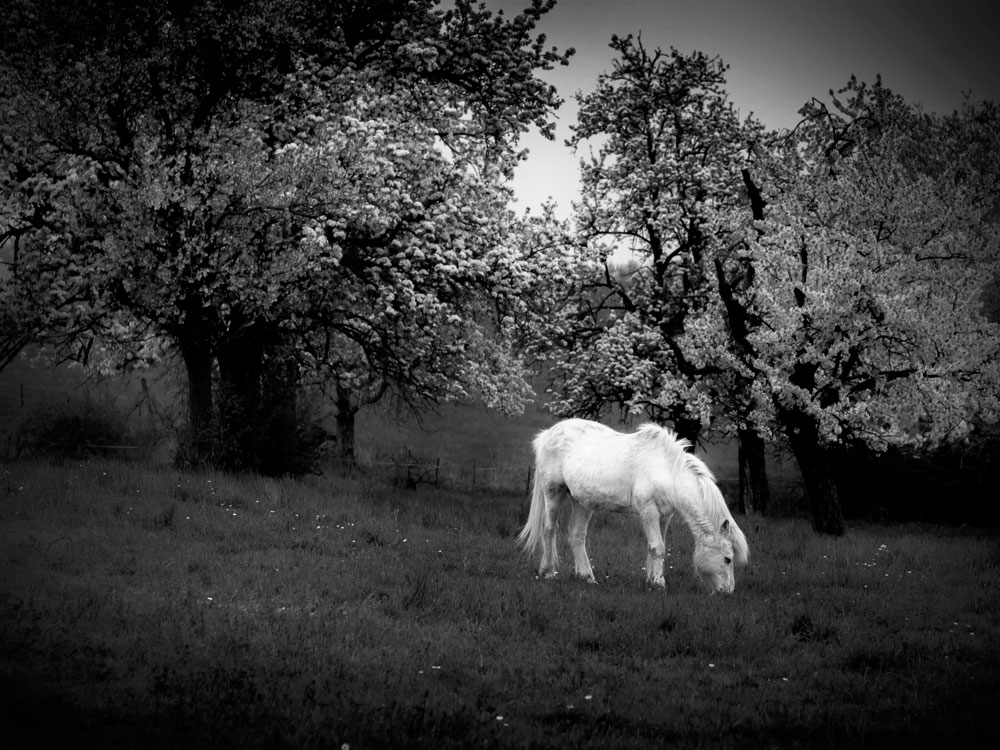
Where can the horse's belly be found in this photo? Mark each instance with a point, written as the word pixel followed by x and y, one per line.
pixel 597 479
pixel 593 490
pixel 605 503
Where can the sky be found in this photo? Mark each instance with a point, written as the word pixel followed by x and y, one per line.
pixel 780 53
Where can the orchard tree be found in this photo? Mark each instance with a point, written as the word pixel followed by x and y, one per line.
pixel 414 277
pixel 669 150
pixel 864 322
pixel 276 189
pixel 670 154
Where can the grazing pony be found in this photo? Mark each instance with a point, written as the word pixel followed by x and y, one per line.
pixel 649 473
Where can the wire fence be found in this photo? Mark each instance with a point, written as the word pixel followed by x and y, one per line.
pixel 512 477
pixel 437 472
pixel 404 469
pixel 18 400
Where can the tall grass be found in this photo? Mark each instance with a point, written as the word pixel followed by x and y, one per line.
pixel 148 607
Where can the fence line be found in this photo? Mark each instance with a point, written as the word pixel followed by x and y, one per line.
pixel 440 473
pixel 472 475
pixel 410 471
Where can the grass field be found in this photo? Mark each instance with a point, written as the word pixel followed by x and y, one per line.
pixel 146 608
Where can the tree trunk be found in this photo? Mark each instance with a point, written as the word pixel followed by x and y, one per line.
pixel 753 467
pixel 687 428
pixel 241 364
pixel 346 412
pixel 744 484
pixel 282 449
pixel 258 415
pixel 197 448
pixel 817 475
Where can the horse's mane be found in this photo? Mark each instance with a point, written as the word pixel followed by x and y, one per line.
pixel 714 510
pixel 668 437
pixel 676 448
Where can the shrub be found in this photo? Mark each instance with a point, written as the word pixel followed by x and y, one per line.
pixel 74 428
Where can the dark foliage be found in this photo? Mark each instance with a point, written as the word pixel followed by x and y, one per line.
pixel 71 429
pixel 952 485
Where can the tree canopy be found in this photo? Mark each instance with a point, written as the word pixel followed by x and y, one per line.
pixel 670 150
pixel 865 318
pixel 282 192
pixel 252 183
pixel 824 289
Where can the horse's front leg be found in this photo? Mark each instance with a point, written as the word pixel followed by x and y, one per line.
pixel 664 525
pixel 655 547
pixel 578 520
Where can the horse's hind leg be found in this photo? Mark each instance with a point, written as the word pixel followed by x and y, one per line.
pixel 656 548
pixel 578 520
pixel 554 496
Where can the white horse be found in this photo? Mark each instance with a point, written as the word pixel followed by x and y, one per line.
pixel 648 472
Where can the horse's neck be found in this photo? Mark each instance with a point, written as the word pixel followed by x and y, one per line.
pixel 689 505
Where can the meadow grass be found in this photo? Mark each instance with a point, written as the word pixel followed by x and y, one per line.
pixel 146 607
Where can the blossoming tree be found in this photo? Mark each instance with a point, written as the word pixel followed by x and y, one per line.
pixel 669 147
pixel 864 323
pixel 274 190
pixel 822 290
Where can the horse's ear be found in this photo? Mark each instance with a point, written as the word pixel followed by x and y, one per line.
pixel 725 527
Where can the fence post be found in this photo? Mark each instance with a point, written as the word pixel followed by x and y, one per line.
pixel 437 472
pixel 527 481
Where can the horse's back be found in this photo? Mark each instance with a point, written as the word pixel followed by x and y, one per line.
pixel 590 459
pixel 562 437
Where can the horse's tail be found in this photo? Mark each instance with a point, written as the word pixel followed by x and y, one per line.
pixel 531 535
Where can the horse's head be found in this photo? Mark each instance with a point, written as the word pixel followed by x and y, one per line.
pixel 713 560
